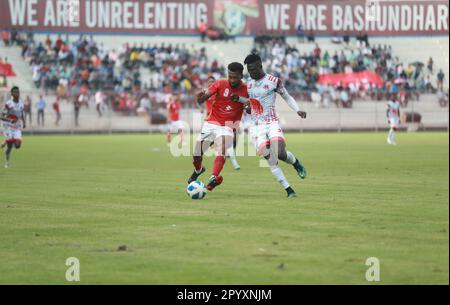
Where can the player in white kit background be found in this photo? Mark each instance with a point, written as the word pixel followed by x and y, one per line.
pixel 266 132
pixel 13 122
pixel 393 115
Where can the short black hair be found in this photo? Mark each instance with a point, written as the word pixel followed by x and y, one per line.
pixel 236 67
pixel 252 58
pixel 14 88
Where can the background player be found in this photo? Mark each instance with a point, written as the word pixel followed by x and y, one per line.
pixel 175 124
pixel 268 135
pixel 13 122
pixel 393 115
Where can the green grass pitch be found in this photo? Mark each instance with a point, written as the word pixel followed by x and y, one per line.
pixel 84 196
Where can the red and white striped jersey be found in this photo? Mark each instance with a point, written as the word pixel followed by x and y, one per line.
pixel 264 90
pixel 394 109
pixel 13 110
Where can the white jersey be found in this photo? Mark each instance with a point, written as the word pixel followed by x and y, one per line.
pixel 13 110
pixel 394 110
pixel 264 90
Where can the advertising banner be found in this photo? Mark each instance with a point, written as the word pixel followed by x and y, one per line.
pixel 234 17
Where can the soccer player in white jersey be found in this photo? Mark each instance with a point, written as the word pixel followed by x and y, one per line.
pixel 393 115
pixel 13 122
pixel 267 133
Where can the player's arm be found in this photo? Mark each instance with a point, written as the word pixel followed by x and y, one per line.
pixel 204 95
pixel 281 90
pixel 24 122
pixel 3 115
pixel 250 105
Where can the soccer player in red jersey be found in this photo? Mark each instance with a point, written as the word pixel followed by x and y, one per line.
pixel 175 125
pixel 231 151
pixel 225 115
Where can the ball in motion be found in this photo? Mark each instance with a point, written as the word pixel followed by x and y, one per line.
pixel 196 190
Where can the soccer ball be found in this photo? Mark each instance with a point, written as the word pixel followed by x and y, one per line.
pixel 196 190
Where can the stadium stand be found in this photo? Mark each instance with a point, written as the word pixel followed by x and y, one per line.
pixel 366 111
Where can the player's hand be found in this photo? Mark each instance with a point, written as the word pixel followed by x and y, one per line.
pixel 234 97
pixel 302 114
pixel 201 96
pixel 256 107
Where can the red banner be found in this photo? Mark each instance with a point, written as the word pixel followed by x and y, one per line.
pixel 345 79
pixel 6 70
pixel 235 17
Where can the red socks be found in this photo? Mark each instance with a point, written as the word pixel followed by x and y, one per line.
pixel 218 165
pixel 197 164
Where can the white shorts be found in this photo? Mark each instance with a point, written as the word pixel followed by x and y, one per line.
pixel 210 132
pixel 394 122
pixel 262 134
pixel 175 126
pixel 247 125
pixel 12 134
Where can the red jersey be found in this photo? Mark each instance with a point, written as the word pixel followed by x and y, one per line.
pixel 223 108
pixel 208 105
pixel 174 111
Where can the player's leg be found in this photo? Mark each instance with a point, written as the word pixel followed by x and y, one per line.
pixel 222 144
pixel 18 144
pixel 181 135
pixel 278 144
pixel 389 137
pixel 265 150
pixel 169 134
pixel 197 160
pixel 9 147
pixel 180 132
pixel 201 146
pixel 393 134
pixel 17 139
pixel 231 151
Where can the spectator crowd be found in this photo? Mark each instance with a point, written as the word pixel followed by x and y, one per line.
pixel 143 78
pixel 129 79
pixel 301 71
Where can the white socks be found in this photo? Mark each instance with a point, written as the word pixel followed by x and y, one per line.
pixel 290 158
pixel 232 155
pixel 391 136
pixel 279 176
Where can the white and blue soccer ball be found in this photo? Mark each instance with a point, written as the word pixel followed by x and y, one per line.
pixel 196 190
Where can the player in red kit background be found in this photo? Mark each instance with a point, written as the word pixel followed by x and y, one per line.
pixel 225 115
pixel 175 124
